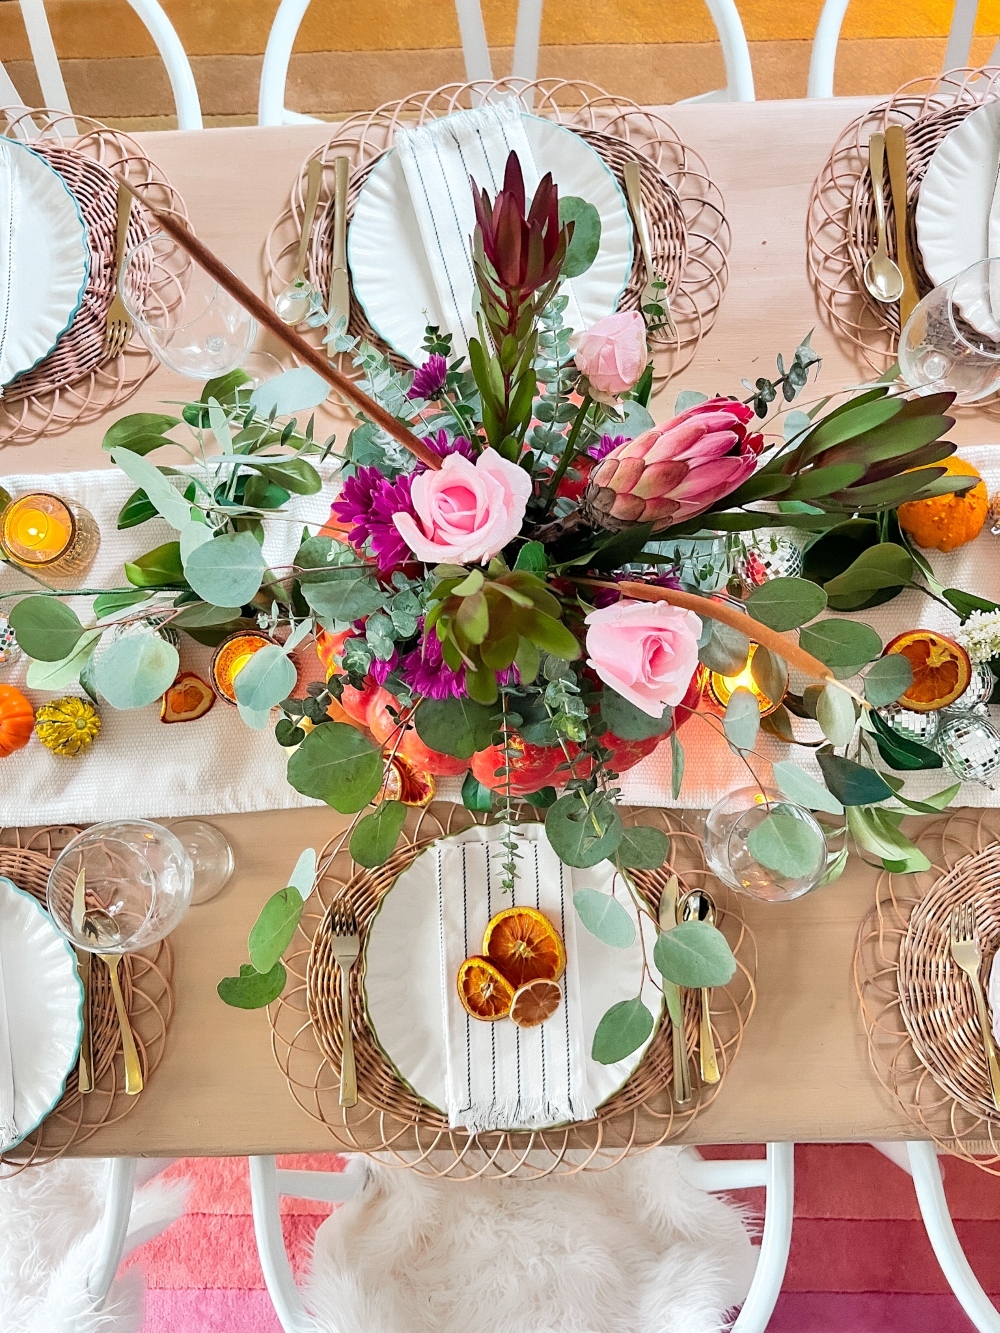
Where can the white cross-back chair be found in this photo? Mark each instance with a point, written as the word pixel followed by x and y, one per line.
pixel 824 48
pixel 46 61
pixel 271 108
pixel 775 1173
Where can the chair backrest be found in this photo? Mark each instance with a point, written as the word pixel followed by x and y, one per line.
pixel 824 49
pixel 54 95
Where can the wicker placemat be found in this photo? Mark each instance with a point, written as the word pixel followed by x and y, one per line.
pixel 841 233
pixel 689 234
pixel 391 1120
pixel 924 1037
pixel 145 980
pixel 75 383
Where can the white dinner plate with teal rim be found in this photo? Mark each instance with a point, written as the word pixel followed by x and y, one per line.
pixel 44 997
pixel 44 258
pixel 390 275
pixel 401 983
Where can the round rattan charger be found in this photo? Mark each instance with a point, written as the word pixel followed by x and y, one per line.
pixel 924 1036
pixel 689 234
pixel 75 383
pixel 392 1121
pixel 145 980
pixel 841 231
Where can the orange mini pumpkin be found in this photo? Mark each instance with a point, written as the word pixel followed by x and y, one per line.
pixel 946 522
pixel 17 720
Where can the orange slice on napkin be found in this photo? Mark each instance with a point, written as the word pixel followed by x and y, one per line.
pixel 525 946
pixel 485 992
pixel 941 669
pixel 535 1002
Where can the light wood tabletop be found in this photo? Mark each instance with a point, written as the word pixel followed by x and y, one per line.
pixel 803 1072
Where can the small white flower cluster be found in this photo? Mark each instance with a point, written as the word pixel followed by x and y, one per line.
pixel 980 635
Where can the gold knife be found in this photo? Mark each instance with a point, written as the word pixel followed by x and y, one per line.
pixel 340 286
pixel 895 151
pixel 83 960
pixel 672 996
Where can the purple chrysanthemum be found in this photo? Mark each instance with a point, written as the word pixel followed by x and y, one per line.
pixel 443 446
pixel 380 671
pixel 428 675
pixel 604 446
pixel 429 380
pixel 369 501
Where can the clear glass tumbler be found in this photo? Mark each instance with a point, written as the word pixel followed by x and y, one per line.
pixel 137 882
pixel 952 339
pixel 728 829
pixel 181 313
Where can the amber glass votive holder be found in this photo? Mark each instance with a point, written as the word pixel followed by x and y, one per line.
pixel 231 657
pixel 44 536
pixel 720 689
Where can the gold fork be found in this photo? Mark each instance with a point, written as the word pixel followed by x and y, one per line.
pixel 346 947
pixel 118 328
pixel 654 303
pixel 967 954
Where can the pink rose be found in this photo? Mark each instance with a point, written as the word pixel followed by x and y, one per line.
pixel 612 354
pixel 646 651
pixel 467 511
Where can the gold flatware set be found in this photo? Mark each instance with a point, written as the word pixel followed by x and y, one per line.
pixel 695 905
pixel 968 955
pixel 888 280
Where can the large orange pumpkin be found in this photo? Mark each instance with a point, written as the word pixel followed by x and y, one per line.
pixel 946 522
pixel 17 720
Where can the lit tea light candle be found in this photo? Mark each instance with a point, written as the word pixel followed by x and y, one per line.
pixel 41 531
pixel 722 688
pixel 231 657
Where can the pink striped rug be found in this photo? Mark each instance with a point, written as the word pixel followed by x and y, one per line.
pixel 860 1262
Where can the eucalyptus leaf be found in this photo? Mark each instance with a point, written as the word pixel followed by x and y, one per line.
pixel 769 672
pixel 852 783
pixel 784 604
pixel 622 1030
pixel 604 916
pixel 296 390
pixel 580 837
pixel 643 848
pixel 201 615
pixel 800 787
pixel 841 643
pixel 265 680
pixel 45 628
pixel 135 670
pixel 458 727
pixel 338 765
pixel 57 675
pixel 586 239
pixel 676 765
pixel 725 650
pixel 694 954
pixel 886 565
pixel 193 535
pixel 629 722
pixel 887 678
pixel 274 929
pixel 741 722
pixel 161 493
pixel 349 597
pixel 251 990
pixel 107 603
pixel 228 570
pixel 787 844
pixel 257 719
pixel 303 876
pixel 373 840
pixel 835 715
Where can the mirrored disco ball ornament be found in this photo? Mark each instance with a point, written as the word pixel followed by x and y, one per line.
pixel 970 745
pixel 768 557
pixel 9 650
pixel 978 691
pixel 919 727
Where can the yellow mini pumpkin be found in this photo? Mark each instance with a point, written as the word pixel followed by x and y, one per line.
pixel 67 726
pixel 946 522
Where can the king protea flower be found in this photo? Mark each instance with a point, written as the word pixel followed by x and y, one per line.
pixel 526 253
pixel 673 472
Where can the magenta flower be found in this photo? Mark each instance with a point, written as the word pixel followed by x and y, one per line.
pixel 678 470
pixel 443 446
pixel 604 446
pixel 429 380
pixel 428 674
pixel 380 671
pixel 370 502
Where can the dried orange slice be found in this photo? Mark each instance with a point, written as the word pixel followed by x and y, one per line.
pixel 941 669
pixel 524 945
pixel 534 1002
pixel 485 993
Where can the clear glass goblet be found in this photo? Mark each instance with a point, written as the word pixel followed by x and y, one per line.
pixel 181 313
pixel 211 856
pixel 728 845
pixel 952 338
pixel 137 882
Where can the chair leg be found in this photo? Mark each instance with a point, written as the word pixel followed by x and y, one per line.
pixel 117 1211
pixel 926 1173
pixel 277 1270
pixel 775 1242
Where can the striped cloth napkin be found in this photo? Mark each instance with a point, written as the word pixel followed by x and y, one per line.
pixel 437 161
pixel 8 1125
pixel 500 1076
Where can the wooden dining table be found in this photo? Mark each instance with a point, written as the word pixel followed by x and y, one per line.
pixel 803 1073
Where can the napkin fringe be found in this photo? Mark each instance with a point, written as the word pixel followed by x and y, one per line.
pixel 518 1113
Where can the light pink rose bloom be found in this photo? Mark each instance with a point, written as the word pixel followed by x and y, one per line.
pixel 646 651
pixel 467 511
pixel 612 354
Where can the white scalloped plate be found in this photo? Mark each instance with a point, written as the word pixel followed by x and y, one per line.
pixel 402 957
pixel 51 261
pixel 44 1005
pixel 389 273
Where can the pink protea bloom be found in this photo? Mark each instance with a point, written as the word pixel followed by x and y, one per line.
pixel 673 472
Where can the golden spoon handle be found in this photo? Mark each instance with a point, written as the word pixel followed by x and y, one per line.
pixel 706 1043
pixel 314 178
pixel 133 1069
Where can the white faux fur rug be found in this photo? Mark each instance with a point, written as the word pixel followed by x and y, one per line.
pixel 50 1218
pixel 633 1249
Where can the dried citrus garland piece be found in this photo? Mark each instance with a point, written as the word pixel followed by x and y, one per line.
pixel 485 993
pixel 524 945
pixel 534 1002
pixel 941 669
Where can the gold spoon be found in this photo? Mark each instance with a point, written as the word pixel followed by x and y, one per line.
pixel 291 305
pixel 104 930
pixel 697 905
pixel 882 277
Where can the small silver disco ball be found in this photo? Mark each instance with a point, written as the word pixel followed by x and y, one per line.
pixel 978 690
pixel 920 727
pixel 970 745
pixel 766 557
pixel 9 649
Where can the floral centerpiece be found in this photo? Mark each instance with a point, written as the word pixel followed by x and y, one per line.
pixel 524 607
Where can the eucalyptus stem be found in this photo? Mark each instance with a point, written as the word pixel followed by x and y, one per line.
pixel 569 450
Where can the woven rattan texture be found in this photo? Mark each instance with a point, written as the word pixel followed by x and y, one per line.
pixel 75 384
pixel 924 1037
pixel 26 858
pixel 393 1122
pixel 689 234
pixel 841 232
